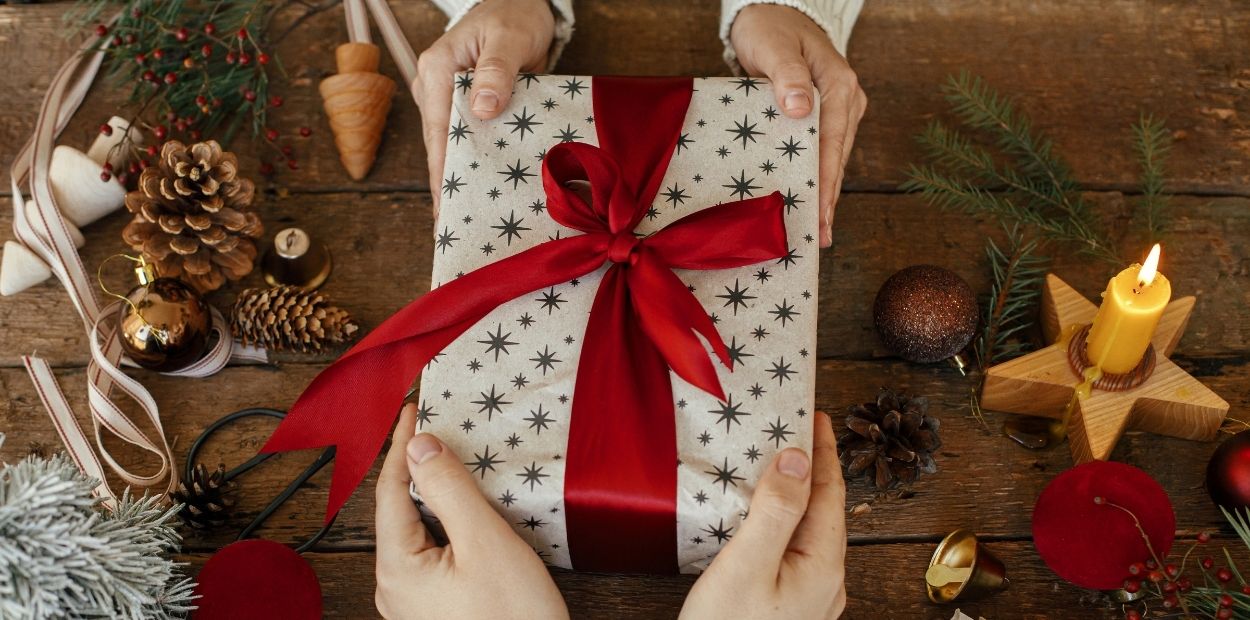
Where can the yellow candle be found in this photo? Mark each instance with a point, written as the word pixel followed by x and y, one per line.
pixel 1126 320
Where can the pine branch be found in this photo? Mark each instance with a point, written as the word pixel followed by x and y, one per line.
pixel 1017 274
pixel 1152 142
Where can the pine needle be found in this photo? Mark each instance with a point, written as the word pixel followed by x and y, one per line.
pixel 1152 142
pixel 1018 274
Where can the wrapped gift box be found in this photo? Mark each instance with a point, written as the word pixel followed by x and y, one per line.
pixel 501 394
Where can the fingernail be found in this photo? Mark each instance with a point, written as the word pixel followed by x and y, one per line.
pixel 485 101
pixel 798 102
pixel 424 447
pixel 793 463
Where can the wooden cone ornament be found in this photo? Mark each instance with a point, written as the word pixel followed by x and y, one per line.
pixel 357 101
pixel 20 268
pixel 81 194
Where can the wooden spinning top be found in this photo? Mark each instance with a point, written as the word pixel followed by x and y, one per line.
pixel 357 101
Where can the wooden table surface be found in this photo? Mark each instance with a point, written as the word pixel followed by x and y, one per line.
pixel 1084 71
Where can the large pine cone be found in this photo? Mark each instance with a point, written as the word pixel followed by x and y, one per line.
pixel 891 440
pixel 286 317
pixel 193 216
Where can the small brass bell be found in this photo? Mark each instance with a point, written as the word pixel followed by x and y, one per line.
pixel 294 259
pixel 165 325
pixel 963 569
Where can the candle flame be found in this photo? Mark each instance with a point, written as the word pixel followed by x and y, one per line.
pixel 1150 268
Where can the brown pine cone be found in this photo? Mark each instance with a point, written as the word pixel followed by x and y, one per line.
pixel 193 216
pixel 206 498
pixel 286 317
pixel 891 440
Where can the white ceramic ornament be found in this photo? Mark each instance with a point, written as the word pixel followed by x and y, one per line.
pixel 21 269
pixel 103 148
pixel 81 194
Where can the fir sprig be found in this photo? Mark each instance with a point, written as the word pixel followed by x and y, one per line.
pixel 1018 273
pixel 1152 142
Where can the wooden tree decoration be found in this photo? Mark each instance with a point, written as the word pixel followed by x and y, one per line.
pixel 1169 402
pixel 357 101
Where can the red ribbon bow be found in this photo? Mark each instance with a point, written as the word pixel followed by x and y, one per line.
pixel 620 482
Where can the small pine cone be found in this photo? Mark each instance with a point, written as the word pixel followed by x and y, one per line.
pixel 891 440
pixel 206 498
pixel 193 216
pixel 286 317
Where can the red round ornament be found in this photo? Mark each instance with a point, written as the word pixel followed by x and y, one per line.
pixel 1228 472
pixel 258 579
pixel 1085 538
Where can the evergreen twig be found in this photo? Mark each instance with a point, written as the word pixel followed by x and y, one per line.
pixel 1018 274
pixel 1152 142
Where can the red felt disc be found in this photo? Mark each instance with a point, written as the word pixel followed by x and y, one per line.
pixel 1090 544
pixel 257 579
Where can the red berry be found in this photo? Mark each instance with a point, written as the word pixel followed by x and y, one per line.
pixel 242 33
pixel 288 151
pixel 144 164
pixel 101 30
pixel 134 168
pixel 305 131
pixel 152 150
pixel 105 176
pixel 290 163
pixel 158 53
pixel 1171 570
pixel 206 50
pixel 170 78
pixel 180 125
pixel 244 58
pixel 1185 584
pixel 1132 586
pixel 201 100
pixel 1224 575
pixel 1245 589
pixel 1204 537
pixel 182 33
pixel 1155 576
pixel 1226 600
pixel 1169 586
pixel 1223 613
pixel 1137 568
pixel 1171 602
pixel 1208 562
pixel 106 129
pixel 116 41
pixel 160 132
pixel 275 101
pixel 230 58
pixel 195 134
pixel 210 28
pixel 141 58
pixel 123 178
pixel 271 134
pixel 249 94
pixel 266 168
pixel 108 165
pixel 130 39
pixel 263 58
pixel 1132 614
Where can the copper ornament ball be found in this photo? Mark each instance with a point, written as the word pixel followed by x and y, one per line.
pixel 166 326
pixel 925 313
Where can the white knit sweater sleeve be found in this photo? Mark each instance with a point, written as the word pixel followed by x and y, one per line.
pixel 835 17
pixel 562 9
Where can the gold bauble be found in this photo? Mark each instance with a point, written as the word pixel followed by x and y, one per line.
pixel 166 324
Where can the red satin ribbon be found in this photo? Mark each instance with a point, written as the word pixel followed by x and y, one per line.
pixel 620 485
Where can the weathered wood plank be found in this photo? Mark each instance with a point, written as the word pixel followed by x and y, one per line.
pixel 987 482
pixel 383 252
pixel 882 581
pixel 1084 71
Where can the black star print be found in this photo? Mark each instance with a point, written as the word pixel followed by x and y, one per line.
pixel 453 184
pixel 681 404
pixel 507 498
pixel 424 413
pixel 568 134
pixel 550 104
pixel 743 131
pixel 781 371
pixel 533 475
pixel 725 476
pixel 546 359
pixel 811 130
pixel 741 186
pixel 488 249
pixel 574 282
pixel 719 531
pixel 683 142
pixel 752 454
pixel 768 167
pixel 573 87
pixel 760 333
pixel 513 440
pixel 737 352
pixel 517 174
pixel 537 206
pixel 519 381
pixel 723 152
pixel 464 82
pixel 811 183
pixel 715 319
pixel 522 123
pixel 491 402
pixel 551 300
pixel 783 312
pixel 653 213
pixel 726 99
pixel 803 353
pixel 770 113
pixel 568 340
pixel 791 200
pixel 467 426
pixel 497 342
pixel 698 540
pixel 526 320
pixel 757 390
pixel 746 84
pixel 806 294
pixel 790 258
pixel 808 238
pixel 777 432
pixel 468 219
pixel 700 497
pixel 539 420
pixel 494 193
pixel 528 78
pixel 762 275
pixel 698 178
pixel 802 413
pixel 473 165
pixel 564 399
pixel 729 413
pixel 446 394
pixel 590 119
pixel 511 227
pixel 701 122
pixel 737 296
pixel 445 239
pixel 484 461
pixel 791 148
pixel 705 438
pixel 474 365
pixel 459 131
pixel 532 524
pixel 501 144
pixel 541 154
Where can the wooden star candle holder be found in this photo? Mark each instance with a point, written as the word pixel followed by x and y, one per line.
pixel 1168 401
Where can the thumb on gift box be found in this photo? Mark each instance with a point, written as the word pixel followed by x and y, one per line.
pixel 449 491
pixel 777 507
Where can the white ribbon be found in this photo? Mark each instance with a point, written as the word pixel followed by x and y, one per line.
pixel 48 237
pixel 396 42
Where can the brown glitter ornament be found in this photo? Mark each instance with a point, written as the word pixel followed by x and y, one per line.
pixel 925 313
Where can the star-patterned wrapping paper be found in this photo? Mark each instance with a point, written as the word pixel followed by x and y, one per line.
pixel 501 394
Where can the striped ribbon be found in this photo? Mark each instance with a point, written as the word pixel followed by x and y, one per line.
pixel 392 36
pixel 47 236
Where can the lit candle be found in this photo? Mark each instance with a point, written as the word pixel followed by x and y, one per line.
pixel 1126 320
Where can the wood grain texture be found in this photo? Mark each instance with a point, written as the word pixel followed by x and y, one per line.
pixel 383 248
pixel 1084 71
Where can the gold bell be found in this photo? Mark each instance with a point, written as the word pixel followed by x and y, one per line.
pixel 962 569
pixel 295 260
